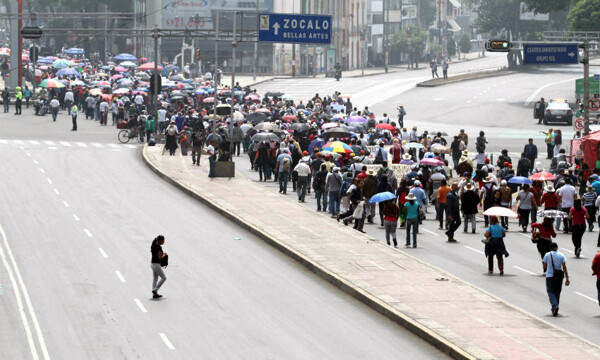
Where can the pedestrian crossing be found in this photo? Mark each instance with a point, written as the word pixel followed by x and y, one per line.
pixel 53 145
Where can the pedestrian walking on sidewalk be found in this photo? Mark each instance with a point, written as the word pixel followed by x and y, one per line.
pixel 495 246
pixel 553 262
pixel 158 257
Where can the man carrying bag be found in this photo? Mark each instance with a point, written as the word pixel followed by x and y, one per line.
pixel 554 275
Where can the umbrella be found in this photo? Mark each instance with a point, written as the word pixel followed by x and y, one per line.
pixel 385 126
pixel 120 69
pixel 252 97
pixel 238 116
pixel 263 110
pixel 51 83
pixel 4 51
pixel 267 126
pixel 298 127
pixel 338 116
pixel 519 180
pixel 332 154
pixel 121 91
pixel 287 97
pixel 542 176
pixel 440 149
pixel 127 64
pixel 106 97
pixel 209 100
pixel 61 63
pixel 329 125
pixel 74 51
pixel 338 147
pixel 67 72
pixel 337 132
pixel 148 66
pixel 256 117
pixel 95 92
pixel 356 119
pixel 103 84
pixel 338 107
pixel 44 61
pixel 431 161
pixel 500 211
pixel 384 196
pixel 554 214
pixel 290 118
pixel 200 92
pixel 175 77
pixel 77 83
pixel 265 136
pixel 177 97
pixel 316 143
pixel 442 133
pixel 274 93
pixel 413 145
pixel 124 57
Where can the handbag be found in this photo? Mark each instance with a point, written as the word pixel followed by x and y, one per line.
pixel 164 262
pixel 558 275
pixel 535 237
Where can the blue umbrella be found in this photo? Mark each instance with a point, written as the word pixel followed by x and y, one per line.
pixel 316 143
pixel 384 196
pixel 74 51
pixel 200 92
pixel 68 72
pixel 125 57
pixel 44 61
pixel 519 180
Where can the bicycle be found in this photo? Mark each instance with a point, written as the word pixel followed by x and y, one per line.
pixel 127 134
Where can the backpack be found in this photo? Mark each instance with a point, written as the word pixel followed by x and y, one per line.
pixel 285 164
pixel 490 196
pixel 344 188
pixel 378 157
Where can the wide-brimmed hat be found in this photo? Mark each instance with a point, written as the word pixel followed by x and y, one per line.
pixel 469 186
pixel 589 188
pixel 550 189
pixel 487 179
pixel 410 196
pixel 465 152
pixel 371 172
pixel 407 157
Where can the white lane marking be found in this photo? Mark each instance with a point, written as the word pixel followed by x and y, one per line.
pixel 120 276
pixel 50 143
pixel 537 91
pixel 103 253
pixel 113 145
pixel 166 341
pixel 42 171
pixel 585 296
pixel 3 141
pixel 88 233
pixel 56 191
pixel 97 145
pixel 26 296
pixel 527 271
pixel 500 100
pixel 470 248
pixel 469 101
pixel 139 304
pixel 65 203
pixel 431 232
pixel 81 144
pixel 28 154
pixel 49 181
pixel 52 148
pixel 64 143
pixel 571 251
pixel 34 142
pixel 36 162
pixel 75 217
pixel 18 142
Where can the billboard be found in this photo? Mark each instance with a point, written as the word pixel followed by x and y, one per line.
pixel 181 14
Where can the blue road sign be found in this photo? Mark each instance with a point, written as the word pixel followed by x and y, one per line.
pixel 291 28
pixel 550 53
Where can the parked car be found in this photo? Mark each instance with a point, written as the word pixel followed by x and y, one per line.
pixel 558 110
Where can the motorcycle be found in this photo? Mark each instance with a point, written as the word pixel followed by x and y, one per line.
pixel 338 74
pixel 41 108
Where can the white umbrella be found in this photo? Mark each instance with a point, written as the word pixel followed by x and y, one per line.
pixel 500 211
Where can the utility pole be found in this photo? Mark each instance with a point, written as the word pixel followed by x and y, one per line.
pixel 155 36
pixel 254 69
pixel 385 36
pixel 233 46
pixel 215 76
pixel 20 48
pixel 586 86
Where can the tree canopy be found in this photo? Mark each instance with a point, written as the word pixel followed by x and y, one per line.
pixel 584 15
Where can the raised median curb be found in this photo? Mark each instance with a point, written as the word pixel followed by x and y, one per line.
pixel 436 333
pixel 465 77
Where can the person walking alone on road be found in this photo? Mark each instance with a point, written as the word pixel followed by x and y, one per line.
pixel 578 216
pixel 391 213
pixel 157 270
pixel 73 112
pixel 495 246
pixel 412 219
pixel 553 261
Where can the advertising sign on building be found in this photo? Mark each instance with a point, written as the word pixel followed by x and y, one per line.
pixel 181 14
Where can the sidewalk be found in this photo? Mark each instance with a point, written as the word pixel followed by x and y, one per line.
pixel 456 317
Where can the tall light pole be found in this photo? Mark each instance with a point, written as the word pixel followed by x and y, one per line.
pixel 254 68
pixel 155 36
pixel 385 36
pixel 233 46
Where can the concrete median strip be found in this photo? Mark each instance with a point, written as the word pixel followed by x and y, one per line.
pixel 458 318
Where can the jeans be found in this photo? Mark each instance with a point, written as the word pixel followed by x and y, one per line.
pixel 390 229
pixel 577 234
pixel 68 104
pixel 524 217
pixel 211 163
pixel 6 106
pixel 236 148
pixel 54 112
pixel 533 213
pixel 334 202
pixel 301 186
pixel 470 218
pixel 18 103
pixel 196 154
pixel 550 149
pixel 414 224
pixel 283 180
pixel 321 194
pixel 453 226
pixel 74 119
pixel 456 159
pixel 566 221
pixel 157 271
pixel 440 210
pixel 553 289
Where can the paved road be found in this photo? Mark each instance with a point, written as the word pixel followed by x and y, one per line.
pixel 78 216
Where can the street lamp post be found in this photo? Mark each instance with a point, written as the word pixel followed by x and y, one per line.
pixel 233 46
pixel 155 36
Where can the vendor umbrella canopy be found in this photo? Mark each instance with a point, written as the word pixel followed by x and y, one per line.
pixel 74 51
pixel 384 196
pixel 542 176
pixel 519 180
pixel 500 211
pixel 124 57
pixel 265 136
pixel 338 147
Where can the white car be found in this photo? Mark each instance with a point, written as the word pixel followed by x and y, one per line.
pixel 558 111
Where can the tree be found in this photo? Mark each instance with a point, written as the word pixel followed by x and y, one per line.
pixel 584 16
pixel 399 43
pixel 546 6
pixel 464 44
pixel 451 45
pixel 427 12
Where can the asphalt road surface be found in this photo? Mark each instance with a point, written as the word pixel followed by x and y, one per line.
pixel 77 218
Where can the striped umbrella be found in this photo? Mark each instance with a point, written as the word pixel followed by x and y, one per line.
pixel 338 147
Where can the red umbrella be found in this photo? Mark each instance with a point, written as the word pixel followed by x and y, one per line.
pixel 149 66
pixel 290 118
pixel 103 84
pixel 386 127
pixel 542 176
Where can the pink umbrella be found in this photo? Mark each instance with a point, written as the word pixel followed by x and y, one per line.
pixel 149 66
pixel 120 69
pixel 431 161
pixel 103 84
pixel 329 125
pixel 118 76
pixel 209 100
pixel 263 110
pixel 252 97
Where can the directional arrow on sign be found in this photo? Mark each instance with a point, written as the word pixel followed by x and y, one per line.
pixel 571 54
pixel 276 28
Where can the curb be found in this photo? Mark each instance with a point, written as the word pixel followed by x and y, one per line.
pixel 474 76
pixel 364 297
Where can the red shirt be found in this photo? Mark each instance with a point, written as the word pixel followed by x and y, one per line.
pixel 578 215
pixel 545 233
pixel 550 200
pixel 363 175
pixel 596 265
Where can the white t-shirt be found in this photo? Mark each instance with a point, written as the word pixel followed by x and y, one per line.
pixel 162 115
pixel 567 194
pixel 54 103
pixel 69 96
pixel 303 169
pixel 139 99
pixel 211 150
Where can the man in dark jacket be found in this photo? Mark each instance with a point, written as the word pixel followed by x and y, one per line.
pixel 468 206
pixel 524 166
pixel 453 208
pixel 369 189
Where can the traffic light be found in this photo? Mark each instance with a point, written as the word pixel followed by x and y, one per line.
pixel 581 111
pixel 197 56
pixel 498 45
pixel 155 84
pixel 33 53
